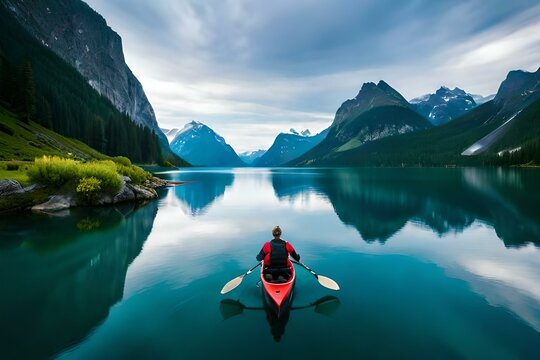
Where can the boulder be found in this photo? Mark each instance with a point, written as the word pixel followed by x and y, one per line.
pixel 55 203
pixel 9 186
pixel 143 192
pixel 125 193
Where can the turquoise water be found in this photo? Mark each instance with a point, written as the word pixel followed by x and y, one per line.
pixel 432 263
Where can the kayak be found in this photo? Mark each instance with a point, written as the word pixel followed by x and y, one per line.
pixel 278 295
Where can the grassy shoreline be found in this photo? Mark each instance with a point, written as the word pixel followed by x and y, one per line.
pixel 84 180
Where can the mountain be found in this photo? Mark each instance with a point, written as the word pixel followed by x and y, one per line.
pixel 505 130
pixel 38 86
pixel 80 36
pixel 200 145
pixel 444 105
pixel 287 147
pixel 170 133
pixel 519 89
pixel 479 99
pixel 378 111
pixel 517 103
pixel 250 156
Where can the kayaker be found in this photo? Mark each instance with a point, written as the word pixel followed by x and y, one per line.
pixel 275 254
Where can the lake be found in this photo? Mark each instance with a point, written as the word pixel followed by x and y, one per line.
pixel 432 263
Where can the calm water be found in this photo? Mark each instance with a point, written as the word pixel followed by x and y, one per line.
pixel 433 263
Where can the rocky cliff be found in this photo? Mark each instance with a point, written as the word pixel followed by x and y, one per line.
pixel 81 37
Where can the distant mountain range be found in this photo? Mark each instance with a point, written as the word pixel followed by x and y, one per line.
pixel 504 130
pixel 250 156
pixel 444 105
pixel 201 146
pixel 287 147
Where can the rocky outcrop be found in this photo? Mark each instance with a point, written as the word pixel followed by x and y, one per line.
pixel 9 186
pixel 128 192
pixel 13 187
pixel 56 203
pixel 81 37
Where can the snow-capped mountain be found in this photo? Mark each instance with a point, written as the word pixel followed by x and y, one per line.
pixel 444 105
pixel 250 156
pixel 200 145
pixel 170 133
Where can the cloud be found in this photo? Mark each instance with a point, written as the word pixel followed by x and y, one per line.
pixel 270 66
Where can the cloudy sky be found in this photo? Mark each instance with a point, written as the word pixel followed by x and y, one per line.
pixel 251 69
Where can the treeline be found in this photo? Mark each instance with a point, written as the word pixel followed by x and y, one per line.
pixel 527 154
pixel 39 86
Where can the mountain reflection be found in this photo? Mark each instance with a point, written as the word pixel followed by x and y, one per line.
pixel 202 189
pixel 69 272
pixel 378 204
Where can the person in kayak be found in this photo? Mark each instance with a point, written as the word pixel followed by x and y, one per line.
pixel 275 254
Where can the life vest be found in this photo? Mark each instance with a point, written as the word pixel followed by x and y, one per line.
pixel 278 254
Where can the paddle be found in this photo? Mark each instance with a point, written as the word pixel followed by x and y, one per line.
pixel 325 305
pixel 231 285
pixel 323 280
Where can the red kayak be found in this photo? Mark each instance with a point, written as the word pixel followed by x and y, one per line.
pixel 279 294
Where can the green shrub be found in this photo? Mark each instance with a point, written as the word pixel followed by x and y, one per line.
pixel 57 171
pixel 89 188
pixel 104 170
pixel 53 170
pixel 122 160
pixel 135 173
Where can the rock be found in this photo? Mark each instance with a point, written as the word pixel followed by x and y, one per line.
pixel 9 186
pixel 103 199
pixel 55 203
pixel 125 193
pixel 143 192
pixel 155 183
pixel 27 189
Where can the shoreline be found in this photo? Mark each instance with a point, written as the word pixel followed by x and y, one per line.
pixel 39 198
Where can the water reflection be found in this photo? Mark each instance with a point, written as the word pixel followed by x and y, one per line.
pixel 61 275
pixel 326 305
pixel 379 204
pixel 201 190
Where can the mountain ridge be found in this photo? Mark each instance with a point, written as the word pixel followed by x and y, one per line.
pixel 376 112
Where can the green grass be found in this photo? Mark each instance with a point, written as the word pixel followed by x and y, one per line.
pixel 16 170
pixel 18 175
pixel 19 141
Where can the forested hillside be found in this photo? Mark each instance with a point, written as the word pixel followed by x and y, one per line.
pixel 38 85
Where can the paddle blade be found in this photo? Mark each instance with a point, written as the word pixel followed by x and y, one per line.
pixel 327 282
pixel 231 285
